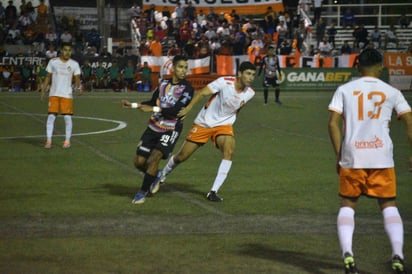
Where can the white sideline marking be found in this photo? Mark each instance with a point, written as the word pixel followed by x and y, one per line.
pixel 120 125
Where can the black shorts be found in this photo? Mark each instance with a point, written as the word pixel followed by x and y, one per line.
pixel 163 141
pixel 270 82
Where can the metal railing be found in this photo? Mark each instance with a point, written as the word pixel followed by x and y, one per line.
pixel 380 15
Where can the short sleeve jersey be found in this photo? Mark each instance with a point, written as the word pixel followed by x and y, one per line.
pixel 367 105
pixel 222 106
pixel 62 75
pixel 169 96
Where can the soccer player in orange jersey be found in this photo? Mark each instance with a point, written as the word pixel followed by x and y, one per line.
pixel 215 121
pixel 365 152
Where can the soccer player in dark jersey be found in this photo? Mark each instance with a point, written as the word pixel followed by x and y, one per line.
pixel 270 64
pixel 164 127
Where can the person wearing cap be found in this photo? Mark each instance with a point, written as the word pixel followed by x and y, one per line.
pixel 364 153
pixel 270 64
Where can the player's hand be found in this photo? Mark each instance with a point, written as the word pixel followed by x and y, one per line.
pixel 78 91
pixel 126 103
pixel 183 112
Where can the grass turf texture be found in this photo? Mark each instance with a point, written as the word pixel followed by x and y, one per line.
pixel 70 211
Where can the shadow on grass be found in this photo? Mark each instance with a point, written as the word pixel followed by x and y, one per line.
pixel 180 187
pixel 310 263
pixel 124 191
pixel 36 142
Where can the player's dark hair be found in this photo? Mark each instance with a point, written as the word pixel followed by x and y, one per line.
pixel 369 57
pixel 65 44
pixel 178 58
pixel 246 65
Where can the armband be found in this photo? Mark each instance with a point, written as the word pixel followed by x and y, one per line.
pixel 156 109
pixel 134 105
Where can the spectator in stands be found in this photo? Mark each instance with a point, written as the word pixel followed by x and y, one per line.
pixel 24 21
pixel 51 37
pixel 146 75
pixel 320 31
pixel 215 45
pixel 114 77
pixel 179 10
pixel 226 47
pixel 391 40
pixel 22 7
pixel 66 37
pixel 223 30
pixel 42 13
pixel 26 73
pixel 156 48
pixel 93 39
pixel 14 35
pixel 87 75
pixel 285 47
pixel 189 12
pixel 174 50
pixel 317 6
pixel 300 36
pixel 120 50
pixel 282 32
pixel 31 12
pixel 128 76
pixel 6 74
pixel 166 12
pixel 51 52
pixel 212 16
pixel 403 21
pixel 41 74
pixel 184 34
pixel 105 53
pixel 360 34
pixel 325 48
pixel 269 21
pixel 304 5
pixel 346 48
pixel 203 47
pixel 376 37
pixel 332 32
pixel 135 10
pixel 11 14
pixel 201 17
pixel 210 33
pixel 100 76
pixel 348 19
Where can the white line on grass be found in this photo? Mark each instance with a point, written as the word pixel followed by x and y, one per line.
pixel 120 125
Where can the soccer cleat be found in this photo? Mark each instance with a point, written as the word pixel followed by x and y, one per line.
pixel 66 144
pixel 398 265
pixel 48 144
pixel 155 186
pixel 139 198
pixel 212 196
pixel 278 102
pixel 349 264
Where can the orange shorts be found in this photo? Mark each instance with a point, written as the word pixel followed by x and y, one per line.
pixel 201 135
pixel 379 183
pixel 60 105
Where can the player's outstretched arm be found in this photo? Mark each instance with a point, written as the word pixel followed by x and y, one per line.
pixel 206 91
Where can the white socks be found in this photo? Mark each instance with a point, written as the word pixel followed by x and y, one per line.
pixel 169 166
pixel 346 227
pixel 394 228
pixel 392 223
pixel 69 126
pixel 50 126
pixel 51 118
pixel 221 174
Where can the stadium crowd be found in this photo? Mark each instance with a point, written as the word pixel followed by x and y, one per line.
pixel 186 30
